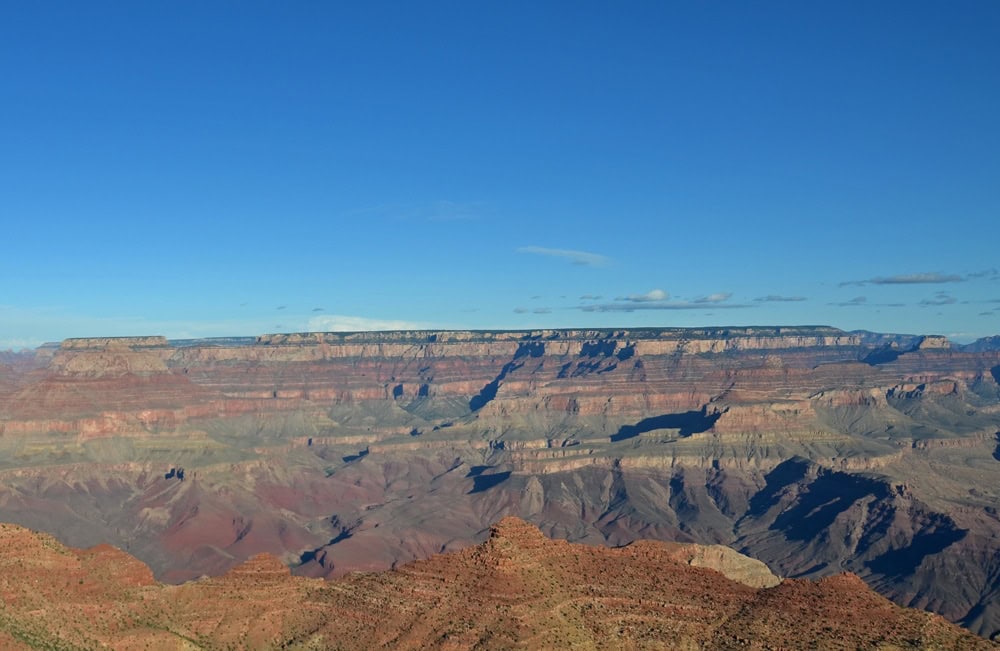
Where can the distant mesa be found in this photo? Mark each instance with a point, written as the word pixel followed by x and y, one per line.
pixel 90 343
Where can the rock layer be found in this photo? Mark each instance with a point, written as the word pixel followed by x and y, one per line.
pixel 811 449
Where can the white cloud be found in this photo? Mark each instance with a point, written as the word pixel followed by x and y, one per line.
pixel 776 298
pixel 714 298
pixel 576 257
pixel 657 299
pixel 345 323
pixel 648 297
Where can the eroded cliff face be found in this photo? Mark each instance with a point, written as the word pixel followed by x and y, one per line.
pixel 812 449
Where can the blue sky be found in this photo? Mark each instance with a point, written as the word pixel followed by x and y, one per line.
pixel 202 169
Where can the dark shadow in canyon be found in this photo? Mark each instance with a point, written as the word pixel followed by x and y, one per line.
pixel 354 457
pixel 688 422
pixel 816 501
pixel 489 392
pixel 482 483
pixel 475 471
pixel 882 355
pixel 904 561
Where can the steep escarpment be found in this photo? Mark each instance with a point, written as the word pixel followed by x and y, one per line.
pixel 804 447
pixel 517 589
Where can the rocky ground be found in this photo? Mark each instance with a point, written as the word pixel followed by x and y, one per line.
pixel 517 589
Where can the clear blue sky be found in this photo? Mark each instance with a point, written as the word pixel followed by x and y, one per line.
pixel 209 168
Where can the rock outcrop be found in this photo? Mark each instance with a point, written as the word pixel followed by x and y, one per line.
pixel 516 590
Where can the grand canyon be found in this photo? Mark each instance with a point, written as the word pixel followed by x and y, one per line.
pixel 852 458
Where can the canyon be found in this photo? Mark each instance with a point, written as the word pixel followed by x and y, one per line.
pixel 813 450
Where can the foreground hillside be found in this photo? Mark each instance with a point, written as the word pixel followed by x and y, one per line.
pixel 814 450
pixel 516 590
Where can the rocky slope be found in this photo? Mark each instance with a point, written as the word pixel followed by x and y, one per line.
pixel 814 450
pixel 518 589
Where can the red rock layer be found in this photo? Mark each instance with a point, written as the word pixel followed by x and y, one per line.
pixel 516 590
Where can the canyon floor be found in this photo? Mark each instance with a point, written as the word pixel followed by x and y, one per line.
pixel 813 450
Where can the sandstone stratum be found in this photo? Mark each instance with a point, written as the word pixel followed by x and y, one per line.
pixel 814 450
pixel 517 589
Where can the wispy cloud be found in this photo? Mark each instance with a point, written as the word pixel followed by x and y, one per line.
pixel 862 301
pixel 542 310
pixel 664 305
pixel 591 297
pixel 714 298
pixel 584 258
pixel 521 310
pixel 651 296
pixel 657 299
pixel 941 298
pixel 989 274
pixel 929 278
pixel 453 211
pixel 345 323
pixel 775 298
pixel 854 302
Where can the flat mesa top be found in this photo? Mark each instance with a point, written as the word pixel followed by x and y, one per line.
pixel 470 336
